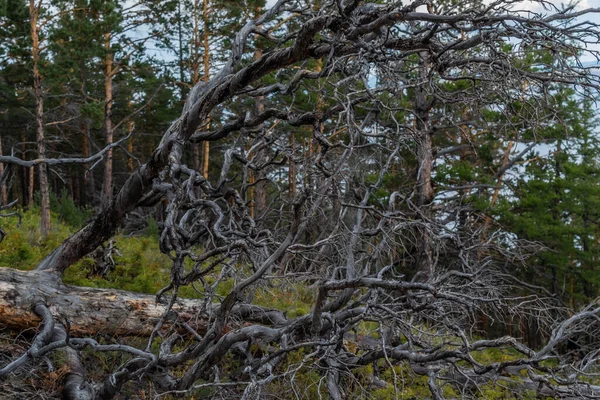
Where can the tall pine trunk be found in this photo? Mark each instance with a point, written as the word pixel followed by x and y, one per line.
pixel 292 167
pixel 205 78
pixel 194 44
pixel 260 191
pixel 424 192
pixel 39 119
pixel 87 195
pixel 107 188
pixel 3 192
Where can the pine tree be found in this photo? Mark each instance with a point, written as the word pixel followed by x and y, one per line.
pixel 15 78
pixel 556 202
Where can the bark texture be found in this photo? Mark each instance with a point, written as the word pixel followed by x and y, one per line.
pixel 38 95
pixel 88 311
pixel 107 189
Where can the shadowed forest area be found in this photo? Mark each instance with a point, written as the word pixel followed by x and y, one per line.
pixel 300 199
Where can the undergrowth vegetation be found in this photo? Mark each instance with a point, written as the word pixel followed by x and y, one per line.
pixel 141 267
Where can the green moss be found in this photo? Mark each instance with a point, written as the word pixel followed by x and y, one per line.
pixel 492 355
pixel 293 299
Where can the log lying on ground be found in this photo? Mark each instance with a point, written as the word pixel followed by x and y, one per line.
pixel 89 311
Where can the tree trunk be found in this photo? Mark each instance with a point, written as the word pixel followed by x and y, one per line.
pixel 88 188
pixel 251 189
pixel 130 160
pixel 3 192
pixel 31 186
pixel 292 167
pixel 89 311
pixel 107 189
pixel 24 175
pixel 182 85
pixel 205 78
pixel 260 191
pixel 39 119
pixel 112 312
pixel 424 192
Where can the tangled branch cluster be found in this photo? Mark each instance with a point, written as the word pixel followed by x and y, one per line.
pixel 400 275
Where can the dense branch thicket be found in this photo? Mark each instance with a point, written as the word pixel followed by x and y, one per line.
pixel 403 264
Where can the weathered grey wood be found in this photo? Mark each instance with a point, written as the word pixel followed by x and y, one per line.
pixel 75 384
pixel 40 340
pixel 88 311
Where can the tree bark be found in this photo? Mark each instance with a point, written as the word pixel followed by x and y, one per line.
pixel 111 312
pixel 292 167
pixel 424 192
pixel 31 186
pixel 88 177
pixel 130 160
pixel 260 192
pixel 424 186
pixel 39 119
pixel 205 78
pixel 107 189
pixel 88 311
pixel 24 175
pixel 3 192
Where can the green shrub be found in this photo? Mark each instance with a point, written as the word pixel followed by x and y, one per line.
pixel 151 227
pixel 24 247
pixel 69 212
pixel 65 208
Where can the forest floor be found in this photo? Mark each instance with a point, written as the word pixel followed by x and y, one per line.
pixel 139 266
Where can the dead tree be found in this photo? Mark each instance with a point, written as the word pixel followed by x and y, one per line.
pixel 333 230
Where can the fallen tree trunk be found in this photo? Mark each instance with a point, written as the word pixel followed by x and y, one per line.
pixel 88 311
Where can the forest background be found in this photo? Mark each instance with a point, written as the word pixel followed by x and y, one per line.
pixel 88 88
pixel 119 73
